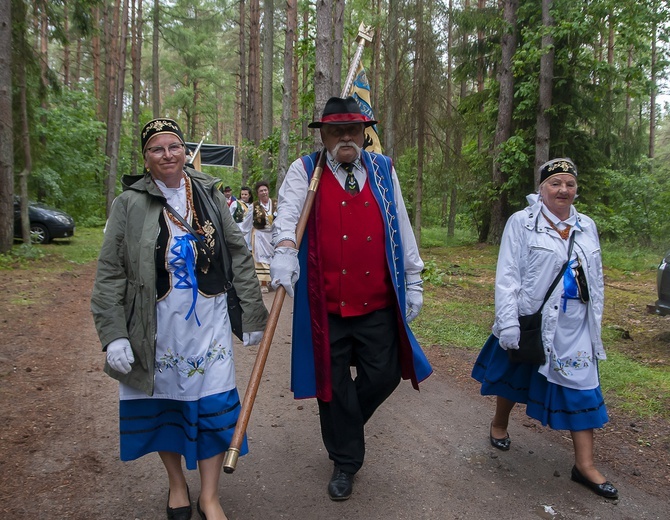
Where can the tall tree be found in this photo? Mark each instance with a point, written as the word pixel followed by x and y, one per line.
pixel 337 44
pixel 420 107
pixel 254 95
pixel 287 89
pixel 242 133
pixel 654 88
pixel 22 87
pixel 96 60
pixel 323 66
pixel 155 70
pixel 136 25
pixel 118 35
pixel 268 73
pixel 391 69
pixel 504 124
pixel 543 125
pixel 6 130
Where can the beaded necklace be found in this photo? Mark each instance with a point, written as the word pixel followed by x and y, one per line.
pixel 564 233
pixel 189 209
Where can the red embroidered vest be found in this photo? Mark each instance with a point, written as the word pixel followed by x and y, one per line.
pixel 352 250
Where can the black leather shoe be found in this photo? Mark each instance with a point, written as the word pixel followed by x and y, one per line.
pixel 179 513
pixel 501 444
pixel 340 485
pixel 606 489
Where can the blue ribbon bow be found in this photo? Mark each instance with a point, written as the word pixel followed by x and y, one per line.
pixel 184 264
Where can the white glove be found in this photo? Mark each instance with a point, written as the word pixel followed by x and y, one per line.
pixel 252 338
pixel 509 338
pixel 413 301
pixel 285 269
pixel 120 355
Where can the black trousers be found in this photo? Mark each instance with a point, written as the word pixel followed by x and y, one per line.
pixel 370 343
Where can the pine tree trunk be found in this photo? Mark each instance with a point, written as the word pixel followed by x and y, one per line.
pixel 66 45
pixel 323 77
pixel 136 60
pixel 654 88
pixel 155 70
pixel 268 72
pixel 504 124
pixel 338 37
pixel 25 134
pixel 118 37
pixel 254 99
pixel 305 78
pixel 289 38
pixel 419 88
pixel 95 51
pixel 242 133
pixel 391 83
pixel 6 130
pixel 543 122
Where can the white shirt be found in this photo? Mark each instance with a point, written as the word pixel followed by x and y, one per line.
pixel 291 199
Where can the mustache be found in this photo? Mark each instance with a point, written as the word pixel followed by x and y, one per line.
pixel 339 145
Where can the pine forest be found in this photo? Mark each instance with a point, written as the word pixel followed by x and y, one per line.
pixel 470 97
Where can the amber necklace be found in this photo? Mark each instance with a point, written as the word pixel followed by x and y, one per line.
pixel 189 209
pixel 564 233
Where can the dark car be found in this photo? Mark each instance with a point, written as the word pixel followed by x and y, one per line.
pixel 663 281
pixel 46 223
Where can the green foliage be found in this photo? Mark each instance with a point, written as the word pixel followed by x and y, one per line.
pixel 627 256
pixel 68 158
pixel 20 255
pixel 82 248
pixel 637 389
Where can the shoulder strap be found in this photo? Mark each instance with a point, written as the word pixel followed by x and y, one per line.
pixel 189 228
pixel 560 274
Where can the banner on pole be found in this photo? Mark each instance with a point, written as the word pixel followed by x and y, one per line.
pixel 360 90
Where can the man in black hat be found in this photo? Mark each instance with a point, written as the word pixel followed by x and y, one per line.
pixel 360 286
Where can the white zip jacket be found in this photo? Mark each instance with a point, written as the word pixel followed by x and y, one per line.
pixel 531 255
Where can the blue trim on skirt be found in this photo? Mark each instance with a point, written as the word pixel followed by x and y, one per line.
pixel 197 430
pixel 553 405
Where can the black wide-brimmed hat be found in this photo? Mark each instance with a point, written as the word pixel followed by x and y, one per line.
pixel 160 126
pixel 556 167
pixel 342 111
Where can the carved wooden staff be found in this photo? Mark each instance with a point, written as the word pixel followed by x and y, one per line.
pixel 230 460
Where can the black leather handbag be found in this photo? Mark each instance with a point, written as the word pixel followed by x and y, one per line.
pixel 531 348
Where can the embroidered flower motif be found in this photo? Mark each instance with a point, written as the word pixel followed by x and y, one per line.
pixel 566 367
pixel 193 365
pixel 196 365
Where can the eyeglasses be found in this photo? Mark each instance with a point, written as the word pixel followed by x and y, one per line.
pixel 159 151
pixel 342 130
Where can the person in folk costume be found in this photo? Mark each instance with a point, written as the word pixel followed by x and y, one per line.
pixel 166 304
pixel 358 275
pixel 564 392
pixel 245 200
pixel 237 207
pixel 258 223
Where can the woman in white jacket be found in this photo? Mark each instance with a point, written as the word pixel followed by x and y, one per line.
pixel 564 392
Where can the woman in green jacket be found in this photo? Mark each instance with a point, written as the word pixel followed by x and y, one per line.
pixel 175 281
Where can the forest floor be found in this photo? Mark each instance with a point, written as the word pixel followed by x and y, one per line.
pixel 428 455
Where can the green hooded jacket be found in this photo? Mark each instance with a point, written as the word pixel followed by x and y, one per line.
pixel 123 302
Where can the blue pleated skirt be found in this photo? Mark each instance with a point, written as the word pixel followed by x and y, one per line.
pixel 553 405
pixel 197 429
